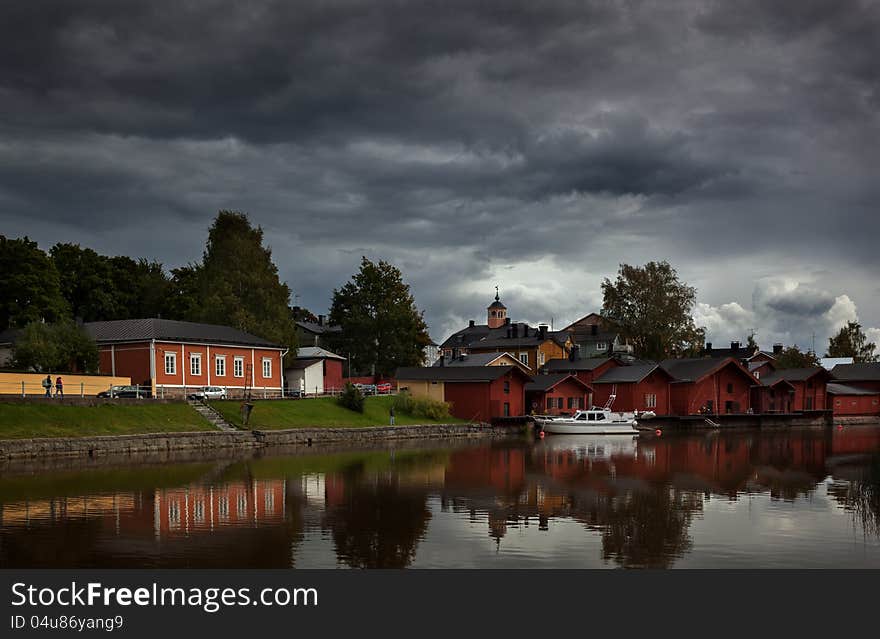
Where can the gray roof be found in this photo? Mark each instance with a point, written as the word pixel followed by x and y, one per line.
pixel 624 374
pixel 314 327
pixel 793 374
pixel 857 372
pixel 466 335
pixel 473 359
pixel 586 364
pixel 136 330
pixel 845 389
pixel 10 335
pixel 316 352
pixel 456 373
pixel 301 363
pixel 546 382
pixel 693 369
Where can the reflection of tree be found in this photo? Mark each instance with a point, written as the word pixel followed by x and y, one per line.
pixel 862 496
pixel 378 525
pixel 648 528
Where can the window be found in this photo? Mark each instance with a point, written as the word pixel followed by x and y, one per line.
pixel 541 359
pixel 524 358
pixel 730 388
pixel 220 366
pixel 507 386
pixel 651 401
pixel 551 403
pixel 809 405
pixel 238 366
pixel 837 402
pixel 506 409
pixel 571 402
pixel 195 364
pixel 171 363
pixel 757 374
pixel 267 368
pixel 601 346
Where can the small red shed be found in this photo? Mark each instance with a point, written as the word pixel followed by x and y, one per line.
pixel 585 370
pixel 847 400
pixel 708 385
pixel 773 396
pixel 557 394
pixel 638 387
pixel 808 383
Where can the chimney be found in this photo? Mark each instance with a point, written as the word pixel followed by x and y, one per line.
pixel 734 346
pixel 442 360
pixel 320 320
pixel 471 324
pixel 454 354
pixel 708 348
pixel 542 331
pixel 777 349
pixel 573 353
pixel 507 321
pixel 594 329
pixel 509 332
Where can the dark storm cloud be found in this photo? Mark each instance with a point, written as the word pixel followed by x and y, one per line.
pixel 535 144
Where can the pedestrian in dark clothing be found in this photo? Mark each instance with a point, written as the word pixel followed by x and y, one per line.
pixel 59 388
pixel 47 384
pixel 392 415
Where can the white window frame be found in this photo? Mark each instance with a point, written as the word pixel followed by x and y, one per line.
pixel 172 359
pixel 220 365
pixel 650 400
pixel 195 364
pixel 601 346
pixel 267 360
pixel 238 366
pixel 524 358
pixel 541 358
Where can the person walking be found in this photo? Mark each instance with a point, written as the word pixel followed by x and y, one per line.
pixel 47 384
pixel 392 415
pixel 59 388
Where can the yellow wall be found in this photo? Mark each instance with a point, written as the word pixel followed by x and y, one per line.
pixel 10 383
pixel 422 388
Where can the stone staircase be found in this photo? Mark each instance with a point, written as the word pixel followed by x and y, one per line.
pixel 211 415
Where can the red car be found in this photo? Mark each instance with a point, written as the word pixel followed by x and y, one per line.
pixel 384 388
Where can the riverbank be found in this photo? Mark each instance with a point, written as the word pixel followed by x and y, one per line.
pixel 320 412
pixel 43 419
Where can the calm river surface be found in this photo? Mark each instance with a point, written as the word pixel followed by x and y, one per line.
pixel 802 498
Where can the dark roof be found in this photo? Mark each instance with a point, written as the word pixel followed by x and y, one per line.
pixel 316 352
pixel 866 372
pixel 794 374
pixel 845 389
pixel 497 304
pixel 743 352
pixel 301 363
pixel 456 373
pixel 314 327
pixel 473 359
pixel 696 368
pixel 136 330
pixel 579 336
pixel 586 364
pixel 10 335
pixel 466 335
pixel 525 336
pixel 624 374
pixel 543 383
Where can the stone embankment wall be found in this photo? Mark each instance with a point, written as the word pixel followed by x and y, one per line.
pixel 159 442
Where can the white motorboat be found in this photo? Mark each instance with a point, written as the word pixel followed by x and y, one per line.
pixel 597 421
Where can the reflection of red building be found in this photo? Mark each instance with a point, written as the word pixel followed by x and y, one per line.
pixel 197 508
pixel 717 386
pixel 637 387
pixel 500 468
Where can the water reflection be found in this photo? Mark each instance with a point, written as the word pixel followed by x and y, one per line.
pixel 635 503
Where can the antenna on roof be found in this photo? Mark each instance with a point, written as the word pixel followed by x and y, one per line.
pixel 497 298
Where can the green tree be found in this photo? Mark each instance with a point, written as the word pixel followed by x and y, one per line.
pixel 652 308
pixel 851 341
pixel 29 285
pixel 793 357
pixel 751 344
pixel 381 327
pixel 62 346
pixel 237 283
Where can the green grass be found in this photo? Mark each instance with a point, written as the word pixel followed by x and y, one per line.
pixel 19 421
pixel 323 411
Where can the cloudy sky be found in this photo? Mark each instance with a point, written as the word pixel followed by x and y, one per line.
pixel 527 144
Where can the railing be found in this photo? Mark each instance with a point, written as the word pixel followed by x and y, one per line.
pixel 72 389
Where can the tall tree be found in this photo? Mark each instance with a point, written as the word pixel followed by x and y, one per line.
pixel 29 285
pixel 237 283
pixel 62 346
pixel 851 341
pixel 652 308
pixel 793 357
pixel 381 327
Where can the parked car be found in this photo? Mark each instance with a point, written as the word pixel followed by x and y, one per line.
pixel 384 388
pixel 138 392
pixel 293 393
pixel 208 392
pixel 366 389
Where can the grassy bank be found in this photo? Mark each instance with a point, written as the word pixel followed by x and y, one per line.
pixel 19 421
pixel 324 411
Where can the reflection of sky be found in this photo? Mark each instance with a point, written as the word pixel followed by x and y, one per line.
pixel 753 531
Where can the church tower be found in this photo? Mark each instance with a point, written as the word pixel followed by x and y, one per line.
pixel 496 314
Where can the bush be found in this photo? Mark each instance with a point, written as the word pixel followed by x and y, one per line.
pixel 421 407
pixel 351 398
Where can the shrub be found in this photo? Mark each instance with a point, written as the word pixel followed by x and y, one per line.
pixel 351 398
pixel 421 407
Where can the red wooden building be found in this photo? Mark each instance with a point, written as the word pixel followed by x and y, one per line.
pixel 773 396
pixel 846 400
pixel 557 394
pixel 476 393
pixel 174 357
pixel 808 384
pixel 715 386
pixel 637 387
pixel 865 375
pixel 585 370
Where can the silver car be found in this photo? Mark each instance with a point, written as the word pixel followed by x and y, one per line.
pixel 209 392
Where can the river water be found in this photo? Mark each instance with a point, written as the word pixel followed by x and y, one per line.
pixel 793 498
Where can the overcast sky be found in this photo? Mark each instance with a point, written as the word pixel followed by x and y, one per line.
pixel 532 145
